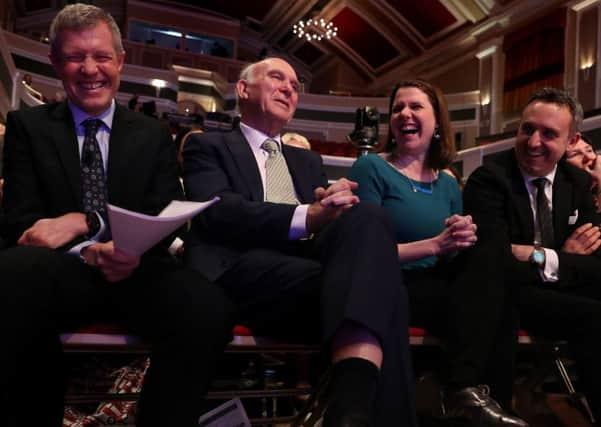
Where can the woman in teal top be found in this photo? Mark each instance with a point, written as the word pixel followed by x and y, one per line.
pixel 425 207
pixel 418 209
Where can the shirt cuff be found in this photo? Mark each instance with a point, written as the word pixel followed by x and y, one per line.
pixel 76 250
pixel 298 225
pixel 551 271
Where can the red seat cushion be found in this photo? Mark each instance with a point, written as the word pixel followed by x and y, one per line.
pixel 417 332
pixel 242 331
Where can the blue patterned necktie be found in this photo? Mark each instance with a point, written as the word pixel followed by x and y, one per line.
pixel 92 170
pixel 544 218
pixel 278 182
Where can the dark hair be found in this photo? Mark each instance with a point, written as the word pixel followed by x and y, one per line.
pixel 551 95
pixel 586 139
pixel 442 150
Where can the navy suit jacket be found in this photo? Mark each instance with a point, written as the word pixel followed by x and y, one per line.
pixel 223 164
pixel 496 197
pixel 42 166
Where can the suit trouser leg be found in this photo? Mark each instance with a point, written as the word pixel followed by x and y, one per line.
pixel 481 322
pixel 349 272
pixel 188 321
pixel 45 292
pixel 572 314
pixel 276 294
pixel 479 335
pixel 35 305
pixel 363 283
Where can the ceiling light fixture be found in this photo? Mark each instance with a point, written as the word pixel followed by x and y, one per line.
pixel 315 29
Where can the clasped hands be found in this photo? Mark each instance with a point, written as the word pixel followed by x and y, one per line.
pixel 330 203
pixel 55 232
pixel 459 233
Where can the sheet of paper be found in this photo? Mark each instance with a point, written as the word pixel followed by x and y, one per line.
pixel 229 414
pixel 134 233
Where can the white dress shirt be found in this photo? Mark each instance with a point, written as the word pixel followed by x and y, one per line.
pixel 550 272
pixel 255 138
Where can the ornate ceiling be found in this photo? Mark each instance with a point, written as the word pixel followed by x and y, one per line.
pixel 377 37
pixel 378 40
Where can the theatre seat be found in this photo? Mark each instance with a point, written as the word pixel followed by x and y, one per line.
pixel 109 338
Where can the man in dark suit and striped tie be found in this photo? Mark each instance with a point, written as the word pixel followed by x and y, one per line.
pixel 538 233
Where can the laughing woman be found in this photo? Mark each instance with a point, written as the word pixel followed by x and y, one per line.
pixel 425 207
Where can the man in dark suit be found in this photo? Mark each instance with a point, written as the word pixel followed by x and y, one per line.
pixel 63 270
pixel 299 258
pixel 536 218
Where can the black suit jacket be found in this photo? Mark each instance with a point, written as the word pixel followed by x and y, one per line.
pixel 222 164
pixel 497 199
pixel 42 167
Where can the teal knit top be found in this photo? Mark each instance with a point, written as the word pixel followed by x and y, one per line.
pixel 417 209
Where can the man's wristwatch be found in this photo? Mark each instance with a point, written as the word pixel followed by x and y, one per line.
pixel 537 257
pixel 93 223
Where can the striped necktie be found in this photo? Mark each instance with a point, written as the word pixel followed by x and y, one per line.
pixel 544 217
pixel 278 182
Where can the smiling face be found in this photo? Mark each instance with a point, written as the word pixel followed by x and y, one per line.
pixel 543 137
pixel 269 95
pixel 581 154
pixel 412 120
pixel 89 66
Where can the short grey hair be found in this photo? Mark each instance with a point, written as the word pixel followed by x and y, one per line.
pixel 80 16
pixel 249 74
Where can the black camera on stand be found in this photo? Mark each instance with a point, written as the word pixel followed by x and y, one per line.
pixel 365 135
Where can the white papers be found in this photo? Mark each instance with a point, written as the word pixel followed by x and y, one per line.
pixel 229 414
pixel 134 233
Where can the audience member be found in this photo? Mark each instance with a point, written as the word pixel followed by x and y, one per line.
pixel 537 221
pixel 297 257
pixel 296 140
pixel 582 155
pixel 134 103
pixel 59 96
pixel 425 206
pixel 63 270
pixel 28 84
pixel 149 108
pixel 180 145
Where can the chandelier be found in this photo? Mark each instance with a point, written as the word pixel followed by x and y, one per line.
pixel 315 29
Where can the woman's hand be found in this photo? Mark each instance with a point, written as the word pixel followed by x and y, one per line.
pixel 459 233
pixel 594 170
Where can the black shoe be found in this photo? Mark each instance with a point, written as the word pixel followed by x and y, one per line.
pixel 314 412
pixel 474 405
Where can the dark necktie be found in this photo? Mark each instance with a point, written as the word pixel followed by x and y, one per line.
pixel 544 234
pixel 278 182
pixel 92 170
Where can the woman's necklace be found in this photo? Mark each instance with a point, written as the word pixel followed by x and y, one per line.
pixel 420 187
pixel 417 186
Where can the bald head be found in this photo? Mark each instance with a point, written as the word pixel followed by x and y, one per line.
pixel 267 95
